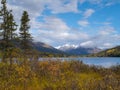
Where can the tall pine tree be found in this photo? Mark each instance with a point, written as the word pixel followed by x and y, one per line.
pixel 12 27
pixel 25 40
pixel 25 36
pixel 4 17
pixel 8 28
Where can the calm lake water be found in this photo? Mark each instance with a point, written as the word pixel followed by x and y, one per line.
pixel 101 61
pixel 98 61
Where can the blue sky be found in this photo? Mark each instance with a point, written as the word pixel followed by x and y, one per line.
pixel 88 23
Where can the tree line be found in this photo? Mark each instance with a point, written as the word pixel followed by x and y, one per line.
pixel 9 38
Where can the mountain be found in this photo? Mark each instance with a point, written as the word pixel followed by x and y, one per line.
pixel 78 50
pixel 113 52
pixel 42 47
pixel 66 47
pixel 83 51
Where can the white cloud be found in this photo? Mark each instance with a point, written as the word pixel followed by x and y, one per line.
pixel 112 2
pixel 109 4
pixel 87 44
pixel 116 36
pixel 103 3
pixel 88 13
pixel 53 23
pixel 50 29
pixel 91 1
pixel 63 6
pixel 56 6
pixel 95 1
pixel 100 3
pixel 100 44
pixel 53 28
pixel 35 8
pixel 106 30
pixel 83 23
pixel 107 45
pixel 106 37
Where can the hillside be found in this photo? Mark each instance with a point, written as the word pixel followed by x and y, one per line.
pixel 46 49
pixel 113 52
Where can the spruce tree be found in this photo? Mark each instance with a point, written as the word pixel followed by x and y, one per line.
pixel 3 14
pixel 25 36
pixel 12 27
pixel 4 26
pixel 25 40
pixel 8 28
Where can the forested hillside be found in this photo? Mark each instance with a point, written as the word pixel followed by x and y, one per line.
pixel 113 52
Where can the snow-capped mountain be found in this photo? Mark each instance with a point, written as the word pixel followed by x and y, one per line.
pixel 78 49
pixel 67 47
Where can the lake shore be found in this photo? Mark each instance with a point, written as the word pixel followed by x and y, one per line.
pixel 58 75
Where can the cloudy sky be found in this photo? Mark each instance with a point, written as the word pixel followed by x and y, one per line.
pixel 93 23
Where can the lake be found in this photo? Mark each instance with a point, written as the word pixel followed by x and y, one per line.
pixel 98 61
pixel 101 61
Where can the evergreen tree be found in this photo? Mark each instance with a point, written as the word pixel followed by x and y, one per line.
pixel 25 36
pixel 25 40
pixel 12 27
pixel 8 27
pixel 3 14
pixel 4 27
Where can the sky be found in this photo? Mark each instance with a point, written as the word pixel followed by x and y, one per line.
pixel 88 23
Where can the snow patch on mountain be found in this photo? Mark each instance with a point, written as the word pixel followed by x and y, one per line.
pixel 67 47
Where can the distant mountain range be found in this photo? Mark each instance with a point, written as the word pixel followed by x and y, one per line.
pixel 78 50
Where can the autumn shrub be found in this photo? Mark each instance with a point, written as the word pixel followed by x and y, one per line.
pixel 57 75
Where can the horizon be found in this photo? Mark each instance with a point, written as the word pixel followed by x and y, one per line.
pixel 90 23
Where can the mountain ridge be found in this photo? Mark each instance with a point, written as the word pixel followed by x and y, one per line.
pixel 42 47
pixel 78 50
pixel 112 52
